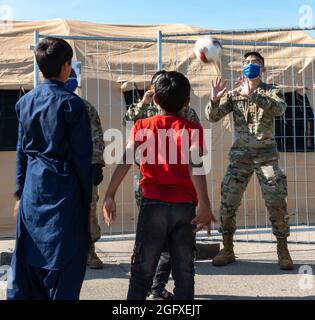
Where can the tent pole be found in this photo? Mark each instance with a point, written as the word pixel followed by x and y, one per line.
pixel 36 70
pixel 159 48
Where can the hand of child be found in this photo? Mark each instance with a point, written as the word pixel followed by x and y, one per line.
pixel 204 218
pixel 16 208
pixel 109 211
pixel 148 97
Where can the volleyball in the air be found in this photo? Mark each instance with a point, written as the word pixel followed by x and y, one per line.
pixel 208 49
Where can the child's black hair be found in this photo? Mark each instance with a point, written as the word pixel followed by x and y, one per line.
pixel 51 54
pixel 156 75
pixel 172 90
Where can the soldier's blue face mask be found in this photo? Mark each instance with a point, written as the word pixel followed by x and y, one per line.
pixel 252 71
pixel 72 84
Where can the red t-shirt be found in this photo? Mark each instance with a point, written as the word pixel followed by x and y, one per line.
pixel 165 142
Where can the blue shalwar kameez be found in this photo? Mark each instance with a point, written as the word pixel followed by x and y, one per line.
pixel 54 182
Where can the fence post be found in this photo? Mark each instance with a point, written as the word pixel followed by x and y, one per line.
pixel 36 70
pixel 159 49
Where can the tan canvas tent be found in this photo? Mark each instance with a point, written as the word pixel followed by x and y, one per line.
pixel 107 66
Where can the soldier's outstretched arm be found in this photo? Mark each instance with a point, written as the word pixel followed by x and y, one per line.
pixel 215 111
pixel 138 111
pixel 273 101
pixel 134 113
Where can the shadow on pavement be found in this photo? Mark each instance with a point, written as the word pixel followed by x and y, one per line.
pixel 110 271
pixel 246 268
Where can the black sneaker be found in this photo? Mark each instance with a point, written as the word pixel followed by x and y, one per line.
pixel 164 295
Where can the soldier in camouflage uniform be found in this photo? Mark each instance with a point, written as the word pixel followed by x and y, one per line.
pixel 254 105
pixel 142 110
pixel 98 163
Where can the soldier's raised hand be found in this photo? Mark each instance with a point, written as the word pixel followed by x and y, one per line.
pixel 148 97
pixel 245 87
pixel 218 89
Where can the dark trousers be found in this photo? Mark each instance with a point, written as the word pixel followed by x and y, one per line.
pixel 162 273
pixel 29 283
pixel 160 224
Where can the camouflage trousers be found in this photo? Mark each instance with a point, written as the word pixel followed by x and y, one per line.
pixel 138 197
pixel 94 225
pixel 138 190
pixel 273 183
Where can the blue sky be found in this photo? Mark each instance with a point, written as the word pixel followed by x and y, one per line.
pixel 220 14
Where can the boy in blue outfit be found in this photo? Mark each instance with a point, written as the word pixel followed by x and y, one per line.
pixel 54 184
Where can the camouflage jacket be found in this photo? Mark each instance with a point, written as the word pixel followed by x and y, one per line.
pixel 253 117
pixel 97 134
pixel 139 111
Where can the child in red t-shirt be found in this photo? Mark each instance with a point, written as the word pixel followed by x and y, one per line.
pixel 167 146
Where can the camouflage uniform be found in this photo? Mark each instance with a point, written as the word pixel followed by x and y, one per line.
pixel 139 111
pixel 254 150
pixel 97 158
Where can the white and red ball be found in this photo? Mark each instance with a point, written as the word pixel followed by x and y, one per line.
pixel 208 49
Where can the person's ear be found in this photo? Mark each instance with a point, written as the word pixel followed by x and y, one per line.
pixel 66 69
pixel 155 100
pixel 187 102
pixel 263 69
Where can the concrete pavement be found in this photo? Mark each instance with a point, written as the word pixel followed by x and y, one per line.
pixel 255 275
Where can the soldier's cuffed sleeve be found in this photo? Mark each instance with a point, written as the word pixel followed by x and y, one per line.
pixel 192 115
pixel 140 111
pixel 21 162
pixel 216 111
pixel 272 102
pixel 134 113
pixel 97 135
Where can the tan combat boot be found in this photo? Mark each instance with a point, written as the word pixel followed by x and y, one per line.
pixel 285 261
pixel 94 262
pixel 226 256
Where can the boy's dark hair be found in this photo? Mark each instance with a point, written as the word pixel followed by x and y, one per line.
pixel 256 54
pixel 156 75
pixel 51 54
pixel 172 89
